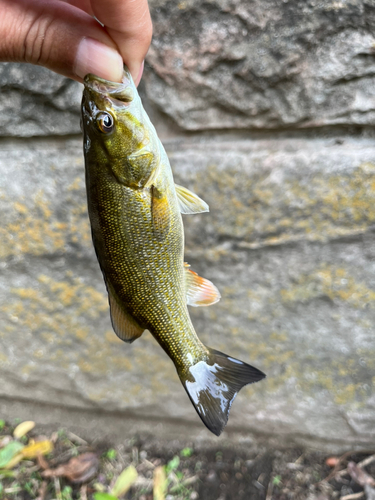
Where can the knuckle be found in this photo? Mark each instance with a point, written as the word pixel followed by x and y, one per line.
pixel 36 46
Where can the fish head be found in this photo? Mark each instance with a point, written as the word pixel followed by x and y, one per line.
pixel 117 131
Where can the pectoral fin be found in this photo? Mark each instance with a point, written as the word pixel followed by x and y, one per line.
pixel 124 325
pixel 161 215
pixel 189 202
pixel 141 169
pixel 199 291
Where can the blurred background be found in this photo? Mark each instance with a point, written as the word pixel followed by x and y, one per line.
pixel 267 111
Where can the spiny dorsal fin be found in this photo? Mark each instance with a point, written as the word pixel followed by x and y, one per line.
pixel 189 202
pixel 124 325
pixel 199 291
pixel 161 216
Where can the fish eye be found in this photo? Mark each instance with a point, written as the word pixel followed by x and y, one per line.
pixel 105 122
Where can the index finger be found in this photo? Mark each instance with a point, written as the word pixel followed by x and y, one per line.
pixel 128 22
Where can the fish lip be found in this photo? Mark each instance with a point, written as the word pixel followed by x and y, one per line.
pixel 121 91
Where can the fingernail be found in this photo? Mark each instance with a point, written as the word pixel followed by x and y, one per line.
pixel 99 59
pixel 140 74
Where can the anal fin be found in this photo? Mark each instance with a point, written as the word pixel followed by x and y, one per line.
pixel 199 291
pixel 124 325
pixel 189 202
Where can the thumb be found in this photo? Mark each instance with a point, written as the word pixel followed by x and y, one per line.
pixel 59 36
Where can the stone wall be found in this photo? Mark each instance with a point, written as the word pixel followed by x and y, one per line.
pixel 266 111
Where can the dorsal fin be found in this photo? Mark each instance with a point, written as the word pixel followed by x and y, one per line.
pixel 161 216
pixel 189 202
pixel 124 325
pixel 199 291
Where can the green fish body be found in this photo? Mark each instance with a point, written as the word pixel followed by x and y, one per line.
pixel 135 213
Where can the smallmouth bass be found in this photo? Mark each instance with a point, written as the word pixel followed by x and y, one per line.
pixel 135 214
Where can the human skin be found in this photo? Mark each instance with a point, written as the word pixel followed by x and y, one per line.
pixel 63 35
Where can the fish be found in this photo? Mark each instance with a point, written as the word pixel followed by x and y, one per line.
pixel 135 212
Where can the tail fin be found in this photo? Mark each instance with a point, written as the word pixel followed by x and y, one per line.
pixel 213 384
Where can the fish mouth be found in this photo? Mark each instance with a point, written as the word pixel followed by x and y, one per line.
pixel 120 91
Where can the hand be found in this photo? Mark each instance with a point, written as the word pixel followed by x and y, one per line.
pixel 63 36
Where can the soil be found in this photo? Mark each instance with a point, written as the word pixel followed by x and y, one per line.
pixel 75 469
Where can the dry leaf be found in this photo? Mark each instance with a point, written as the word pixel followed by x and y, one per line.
pixel 23 428
pixel 160 483
pixel 77 470
pixel 38 448
pixel 4 440
pixel 15 460
pixel 42 491
pixel 42 462
pixel 370 492
pixel 359 475
pixel 125 480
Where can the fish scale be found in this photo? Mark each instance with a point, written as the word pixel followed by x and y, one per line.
pixel 130 273
pixel 135 213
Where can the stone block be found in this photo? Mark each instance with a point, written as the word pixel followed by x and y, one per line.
pixel 37 102
pixel 289 241
pixel 234 64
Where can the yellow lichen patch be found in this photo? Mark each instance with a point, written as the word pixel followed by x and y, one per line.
pixel 55 307
pixel 262 212
pixel 279 336
pixel 332 282
pixel 20 208
pixel 3 359
pixel 34 227
pixel 76 185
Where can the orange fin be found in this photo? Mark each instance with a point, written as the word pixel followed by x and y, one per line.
pixel 124 325
pixel 161 215
pixel 189 202
pixel 199 291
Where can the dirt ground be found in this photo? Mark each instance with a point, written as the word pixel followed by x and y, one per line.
pixel 63 466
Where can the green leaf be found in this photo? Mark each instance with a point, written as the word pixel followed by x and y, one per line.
pixel 7 473
pixel 2 424
pixel 124 481
pixel 173 464
pixel 66 493
pixel 186 452
pixel 111 454
pixel 104 496
pixel 276 480
pixel 9 451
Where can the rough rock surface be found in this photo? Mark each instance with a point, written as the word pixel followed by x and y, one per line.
pixel 228 64
pixel 289 242
pixel 263 64
pixel 34 101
